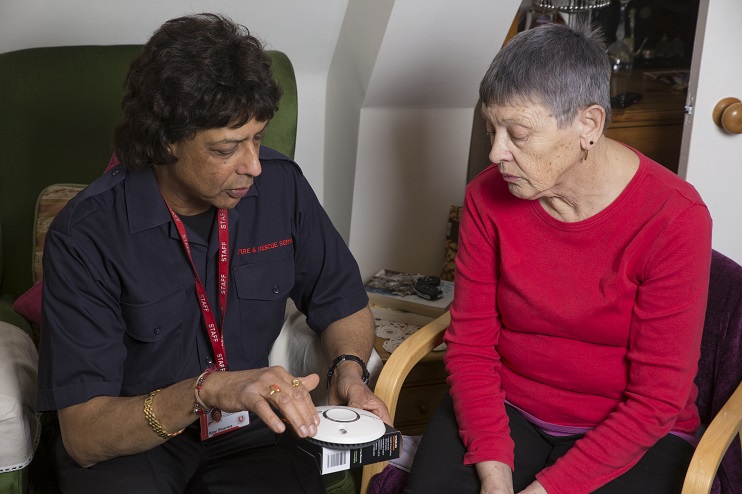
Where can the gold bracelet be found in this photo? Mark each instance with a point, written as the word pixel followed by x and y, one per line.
pixel 149 413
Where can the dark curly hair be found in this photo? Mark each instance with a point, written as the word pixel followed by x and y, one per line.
pixel 196 72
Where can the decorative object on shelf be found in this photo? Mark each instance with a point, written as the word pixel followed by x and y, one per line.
pixel 394 326
pixel 452 244
pixel 677 79
pixel 396 289
pixel 620 54
pixel 570 9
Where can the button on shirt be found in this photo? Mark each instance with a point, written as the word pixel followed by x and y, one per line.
pixel 120 313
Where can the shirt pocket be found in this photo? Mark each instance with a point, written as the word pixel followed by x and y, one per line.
pixel 155 342
pixel 262 291
pixel 267 281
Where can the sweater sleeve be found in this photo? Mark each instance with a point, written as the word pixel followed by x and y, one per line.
pixel 663 351
pixel 471 359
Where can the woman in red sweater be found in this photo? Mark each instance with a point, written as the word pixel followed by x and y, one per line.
pixel 581 285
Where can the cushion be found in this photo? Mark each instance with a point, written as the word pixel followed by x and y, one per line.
pixel 29 305
pixel 391 480
pixel 51 200
pixel 113 162
pixel 19 424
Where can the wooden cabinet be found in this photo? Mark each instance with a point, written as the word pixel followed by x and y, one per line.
pixel 422 392
pixel 653 126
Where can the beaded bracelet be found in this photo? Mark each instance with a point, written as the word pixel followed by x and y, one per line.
pixel 149 413
pixel 343 358
pixel 200 407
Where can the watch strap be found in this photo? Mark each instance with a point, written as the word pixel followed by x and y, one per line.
pixel 343 358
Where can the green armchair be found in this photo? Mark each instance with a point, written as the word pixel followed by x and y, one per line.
pixel 58 109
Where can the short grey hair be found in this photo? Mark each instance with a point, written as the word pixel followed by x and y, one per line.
pixel 563 68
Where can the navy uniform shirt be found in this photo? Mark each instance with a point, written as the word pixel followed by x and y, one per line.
pixel 120 314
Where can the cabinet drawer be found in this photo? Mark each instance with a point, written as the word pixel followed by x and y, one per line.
pixel 659 142
pixel 416 405
pixel 427 372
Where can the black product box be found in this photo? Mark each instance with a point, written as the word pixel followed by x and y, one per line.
pixel 333 459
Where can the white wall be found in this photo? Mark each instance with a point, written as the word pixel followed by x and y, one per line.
pixel 306 31
pixel 386 95
pixel 350 71
pixel 411 168
pixel 710 158
pixel 415 129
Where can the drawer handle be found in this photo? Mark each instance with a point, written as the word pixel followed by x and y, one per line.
pixel 423 408
pixel 728 115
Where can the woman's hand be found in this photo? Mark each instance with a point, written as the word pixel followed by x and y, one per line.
pixel 534 488
pixel 496 477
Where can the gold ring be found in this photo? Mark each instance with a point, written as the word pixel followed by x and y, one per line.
pixel 296 383
pixel 274 389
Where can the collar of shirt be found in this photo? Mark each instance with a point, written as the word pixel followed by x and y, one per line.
pixel 145 207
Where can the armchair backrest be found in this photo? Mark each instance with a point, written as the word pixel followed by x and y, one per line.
pixel 58 109
pixel 720 364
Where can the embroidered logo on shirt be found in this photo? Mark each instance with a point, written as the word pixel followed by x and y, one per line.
pixel 265 247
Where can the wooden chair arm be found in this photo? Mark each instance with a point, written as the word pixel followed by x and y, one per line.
pixel 713 445
pixel 396 369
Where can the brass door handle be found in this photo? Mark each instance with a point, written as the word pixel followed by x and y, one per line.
pixel 728 115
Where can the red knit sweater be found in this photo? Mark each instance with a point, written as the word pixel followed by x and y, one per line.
pixel 589 324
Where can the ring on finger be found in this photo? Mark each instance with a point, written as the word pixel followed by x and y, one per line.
pixel 296 383
pixel 274 389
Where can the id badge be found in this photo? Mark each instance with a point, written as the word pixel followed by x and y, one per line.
pixel 218 422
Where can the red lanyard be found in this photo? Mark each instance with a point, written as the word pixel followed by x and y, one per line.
pixel 215 336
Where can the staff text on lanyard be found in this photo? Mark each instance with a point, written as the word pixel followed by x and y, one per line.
pixel 216 337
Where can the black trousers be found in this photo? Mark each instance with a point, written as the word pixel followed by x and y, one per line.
pixel 246 461
pixel 439 462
